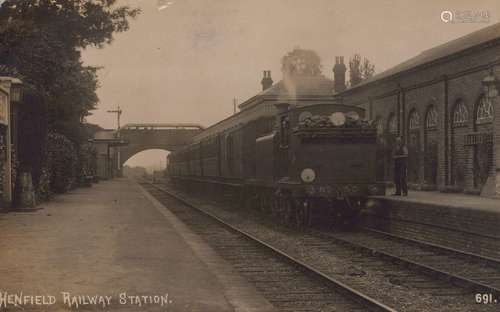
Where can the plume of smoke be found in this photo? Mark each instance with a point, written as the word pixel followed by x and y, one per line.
pixel 290 89
pixel 296 65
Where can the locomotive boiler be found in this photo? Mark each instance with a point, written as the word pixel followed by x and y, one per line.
pixel 304 163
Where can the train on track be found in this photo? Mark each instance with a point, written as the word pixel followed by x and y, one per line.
pixel 301 164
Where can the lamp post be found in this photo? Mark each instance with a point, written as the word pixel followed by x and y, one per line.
pixel 118 113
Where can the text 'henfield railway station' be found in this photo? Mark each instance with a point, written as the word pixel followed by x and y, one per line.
pixel 283 206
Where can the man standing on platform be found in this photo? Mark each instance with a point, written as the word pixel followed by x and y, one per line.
pixel 400 167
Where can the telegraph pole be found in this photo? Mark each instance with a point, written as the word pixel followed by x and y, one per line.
pixel 118 113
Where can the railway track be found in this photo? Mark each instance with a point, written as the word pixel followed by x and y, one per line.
pixel 478 273
pixel 287 282
pixel 463 240
pixel 395 260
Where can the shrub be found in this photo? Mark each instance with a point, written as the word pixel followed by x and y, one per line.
pixel 87 163
pixel 61 162
pixel 43 191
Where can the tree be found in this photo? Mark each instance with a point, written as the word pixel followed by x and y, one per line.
pixel 359 69
pixel 78 23
pixel 43 40
pixel 301 62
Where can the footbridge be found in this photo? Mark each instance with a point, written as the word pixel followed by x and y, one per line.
pixel 166 136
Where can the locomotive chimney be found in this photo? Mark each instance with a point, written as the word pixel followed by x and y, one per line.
pixel 266 81
pixel 339 74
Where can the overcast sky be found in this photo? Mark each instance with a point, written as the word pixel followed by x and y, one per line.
pixel 185 60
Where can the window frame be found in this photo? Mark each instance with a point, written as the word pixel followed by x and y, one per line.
pixel 460 107
pixel 483 100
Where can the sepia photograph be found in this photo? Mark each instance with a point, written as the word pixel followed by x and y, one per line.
pixel 250 155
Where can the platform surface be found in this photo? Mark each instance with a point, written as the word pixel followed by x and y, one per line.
pixel 452 200
pixel 464 222
pixel 109 240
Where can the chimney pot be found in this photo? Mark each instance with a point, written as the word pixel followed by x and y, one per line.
pixel 266 81
pixel 339 71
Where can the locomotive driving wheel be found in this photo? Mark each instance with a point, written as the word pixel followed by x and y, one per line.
pixel 338 213
pixel 287 210
pixel 347 213
pixel 275 205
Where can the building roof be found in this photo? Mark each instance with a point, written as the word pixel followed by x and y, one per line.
pixel 105 134
pixel 468 41
pixel 295 88
pixel 301 86
pixel 163 125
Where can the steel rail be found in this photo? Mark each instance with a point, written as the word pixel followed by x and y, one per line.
pixel 443 275
pixel 366 301
pixel 491 261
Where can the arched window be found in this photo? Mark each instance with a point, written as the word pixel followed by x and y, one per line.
pixel 392 124
pixel 414 122
pixel 431 119
pixel 460 114
pixel 484 113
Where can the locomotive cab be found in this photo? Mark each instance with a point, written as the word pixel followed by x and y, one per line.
pixel 327 160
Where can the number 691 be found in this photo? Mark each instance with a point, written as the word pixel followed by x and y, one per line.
pixel 484 298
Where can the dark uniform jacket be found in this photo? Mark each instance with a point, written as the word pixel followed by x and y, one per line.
pixel 400 156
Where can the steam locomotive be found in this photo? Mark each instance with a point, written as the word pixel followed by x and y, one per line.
pixel 301 164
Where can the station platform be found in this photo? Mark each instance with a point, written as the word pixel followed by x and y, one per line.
pixel 464 222
pixel 114 241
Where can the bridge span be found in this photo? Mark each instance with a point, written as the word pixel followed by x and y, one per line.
pixel 134 138
pixel 166 136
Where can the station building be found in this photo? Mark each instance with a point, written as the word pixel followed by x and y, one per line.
pixel 106 144
pixel 297 90
pixel 444 103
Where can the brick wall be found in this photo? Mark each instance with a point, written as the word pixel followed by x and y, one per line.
pixel 472 230
pixel 441 85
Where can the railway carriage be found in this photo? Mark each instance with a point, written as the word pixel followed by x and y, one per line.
pixel 305 163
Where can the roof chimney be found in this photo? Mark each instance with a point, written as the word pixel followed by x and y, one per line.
pixel 266 81
pixel 339 74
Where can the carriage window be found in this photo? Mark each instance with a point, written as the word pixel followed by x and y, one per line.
pixel 460 114
pixel 414 123
pixel 432 118
pixel 484 112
